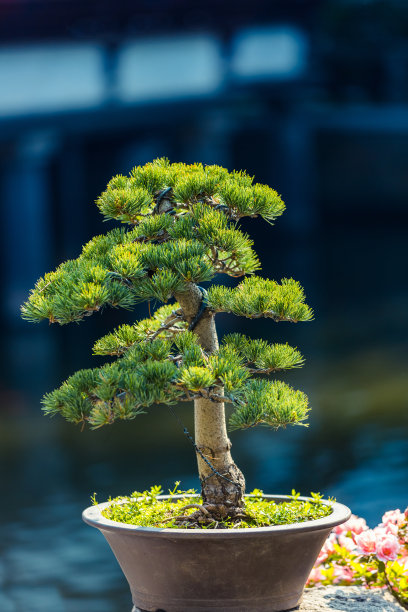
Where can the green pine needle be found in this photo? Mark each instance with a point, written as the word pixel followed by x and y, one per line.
pixel 182 229
pixel 270 403
pixel 259 297
pixel 260 355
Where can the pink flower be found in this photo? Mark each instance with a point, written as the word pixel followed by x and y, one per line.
pixel 394 517
pixel 315 575
pixel 386 529
pixel 342 573
pixel 329 543
pixel 339 529
pixel 348 574
pixel 347 543
pixel 328 548
pixel 391 528
pixel 323 555
pixel 366 542
pixel 387 548
pixel 380 531
pixel 354 524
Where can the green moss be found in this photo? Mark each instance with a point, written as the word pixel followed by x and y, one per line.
pixel 146 510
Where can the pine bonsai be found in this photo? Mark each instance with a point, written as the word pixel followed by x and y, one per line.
pixel 182 231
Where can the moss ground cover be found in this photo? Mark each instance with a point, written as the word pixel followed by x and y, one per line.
pixel 147 510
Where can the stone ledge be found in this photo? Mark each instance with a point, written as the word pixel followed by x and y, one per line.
pixel 348 599
pixel 344 599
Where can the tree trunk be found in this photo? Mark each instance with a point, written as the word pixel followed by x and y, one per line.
pixel 223 494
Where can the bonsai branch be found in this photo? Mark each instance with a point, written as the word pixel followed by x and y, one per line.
pixel 175 317
pixel 204 394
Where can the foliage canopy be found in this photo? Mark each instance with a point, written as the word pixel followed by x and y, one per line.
pixel 181 229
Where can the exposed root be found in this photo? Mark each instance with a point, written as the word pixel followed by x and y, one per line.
pixel 209 515
pixel 199 506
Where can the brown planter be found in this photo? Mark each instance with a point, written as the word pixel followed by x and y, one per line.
pixel 217 570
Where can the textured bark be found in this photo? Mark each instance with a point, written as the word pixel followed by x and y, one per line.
pixel 223 496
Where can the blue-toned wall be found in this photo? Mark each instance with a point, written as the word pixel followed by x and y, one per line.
pixel 310 97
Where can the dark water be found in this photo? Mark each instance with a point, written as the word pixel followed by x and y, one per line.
pixel 355 449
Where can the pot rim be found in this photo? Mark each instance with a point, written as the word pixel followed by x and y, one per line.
pixel 340 513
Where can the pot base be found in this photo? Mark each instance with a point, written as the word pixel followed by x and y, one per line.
pixel 221 609
pixel 271 604
pixel 233 608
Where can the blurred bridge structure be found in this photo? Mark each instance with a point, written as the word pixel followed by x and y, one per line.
pixel 90 89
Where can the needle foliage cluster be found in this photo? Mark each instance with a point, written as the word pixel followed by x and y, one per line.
pixel 181 228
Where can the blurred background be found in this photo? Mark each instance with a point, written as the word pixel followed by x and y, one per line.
pixel 309 96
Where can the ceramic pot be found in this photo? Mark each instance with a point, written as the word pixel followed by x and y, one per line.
pixel 217 570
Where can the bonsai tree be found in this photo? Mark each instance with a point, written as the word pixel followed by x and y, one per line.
pixel 181 230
